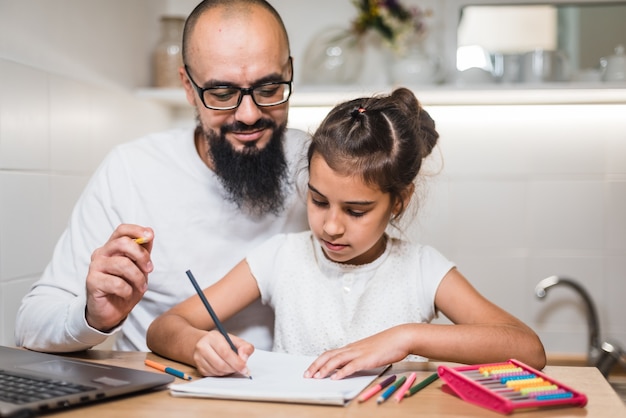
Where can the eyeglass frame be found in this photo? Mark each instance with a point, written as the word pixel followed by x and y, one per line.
pixel 243 91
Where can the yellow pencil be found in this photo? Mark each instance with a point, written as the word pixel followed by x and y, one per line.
pixel 141 240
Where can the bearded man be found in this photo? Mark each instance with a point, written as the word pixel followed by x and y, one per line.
pixel 195 198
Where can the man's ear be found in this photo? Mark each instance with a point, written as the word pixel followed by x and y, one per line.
pixel 189 90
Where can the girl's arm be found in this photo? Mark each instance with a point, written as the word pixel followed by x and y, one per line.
pixel 482 333
pixel 187 334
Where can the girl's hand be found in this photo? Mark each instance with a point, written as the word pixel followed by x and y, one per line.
pixel 378 350
pixel 213 356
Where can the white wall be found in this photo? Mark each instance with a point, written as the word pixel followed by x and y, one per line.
pixel 525 191
pixel 519 193
pixel 532 191
pixel 66 68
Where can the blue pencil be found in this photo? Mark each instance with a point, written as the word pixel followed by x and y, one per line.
pixel 387 394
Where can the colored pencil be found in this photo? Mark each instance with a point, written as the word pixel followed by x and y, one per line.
pixel 421 385
pixel 405 387
pixel 377 388
pixel 208 307
pixel 167 369
pixel 387 394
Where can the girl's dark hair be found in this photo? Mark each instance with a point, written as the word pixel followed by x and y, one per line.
pixel 383 139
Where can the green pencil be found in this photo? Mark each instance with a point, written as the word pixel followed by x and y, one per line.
pixel 421 385
pixel 390 390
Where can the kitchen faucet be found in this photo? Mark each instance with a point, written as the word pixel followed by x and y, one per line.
pixel 601 355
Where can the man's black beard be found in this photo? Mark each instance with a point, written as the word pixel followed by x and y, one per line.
pixel 254 179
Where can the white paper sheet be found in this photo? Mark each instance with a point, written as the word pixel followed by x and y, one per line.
pixel 277 377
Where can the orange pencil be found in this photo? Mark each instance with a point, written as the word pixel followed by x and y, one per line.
pixel 166 369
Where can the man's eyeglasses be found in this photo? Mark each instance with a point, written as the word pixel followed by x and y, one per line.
pixel 229 97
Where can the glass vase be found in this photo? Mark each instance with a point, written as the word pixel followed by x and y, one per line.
pixel 332 57
pixel 376 57
pixel 414 64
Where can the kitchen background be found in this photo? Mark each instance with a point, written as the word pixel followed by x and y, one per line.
pixel 520 191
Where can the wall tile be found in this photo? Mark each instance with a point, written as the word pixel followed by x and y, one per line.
pixel 11 294
pixel 122 117
pixel 116 118
pixel 65 191
pixel 616 144
pixel 428 221
pixel 3 64
pixel 560 147
pixel 24 224
pixel 502 280
pixel 489 214
pixel 88 121
pixel 616 217
pixel 479 141
pixel 567 215
pixel 24 111
pixel 71 121
pixel 614 303
pixel 307 118
pixel 564 342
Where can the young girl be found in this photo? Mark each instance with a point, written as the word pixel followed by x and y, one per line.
pixel 346 291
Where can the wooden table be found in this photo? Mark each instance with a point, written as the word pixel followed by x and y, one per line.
pixel 430 402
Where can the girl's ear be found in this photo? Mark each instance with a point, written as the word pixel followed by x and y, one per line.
pixel 405 199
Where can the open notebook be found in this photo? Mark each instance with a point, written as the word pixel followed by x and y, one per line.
pixel 277 377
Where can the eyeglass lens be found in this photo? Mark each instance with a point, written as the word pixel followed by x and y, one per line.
pixel 229 97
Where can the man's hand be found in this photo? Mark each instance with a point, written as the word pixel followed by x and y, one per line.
pixel 118 276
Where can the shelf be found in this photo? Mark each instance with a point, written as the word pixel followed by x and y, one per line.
pixel 169 96
pixel 444 95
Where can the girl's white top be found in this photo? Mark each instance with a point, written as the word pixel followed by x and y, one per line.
pixel 321 305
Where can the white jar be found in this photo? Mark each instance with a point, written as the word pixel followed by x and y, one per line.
pixel 614 66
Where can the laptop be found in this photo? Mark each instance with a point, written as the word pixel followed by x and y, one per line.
pixel 32 383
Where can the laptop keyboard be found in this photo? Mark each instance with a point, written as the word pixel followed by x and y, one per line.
pixel 19 389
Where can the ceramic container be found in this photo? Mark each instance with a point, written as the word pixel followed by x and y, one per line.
pixel 614 66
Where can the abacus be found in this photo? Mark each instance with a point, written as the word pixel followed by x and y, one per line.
pixel 505 387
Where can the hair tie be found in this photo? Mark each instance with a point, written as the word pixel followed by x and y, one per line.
pixel 356 112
